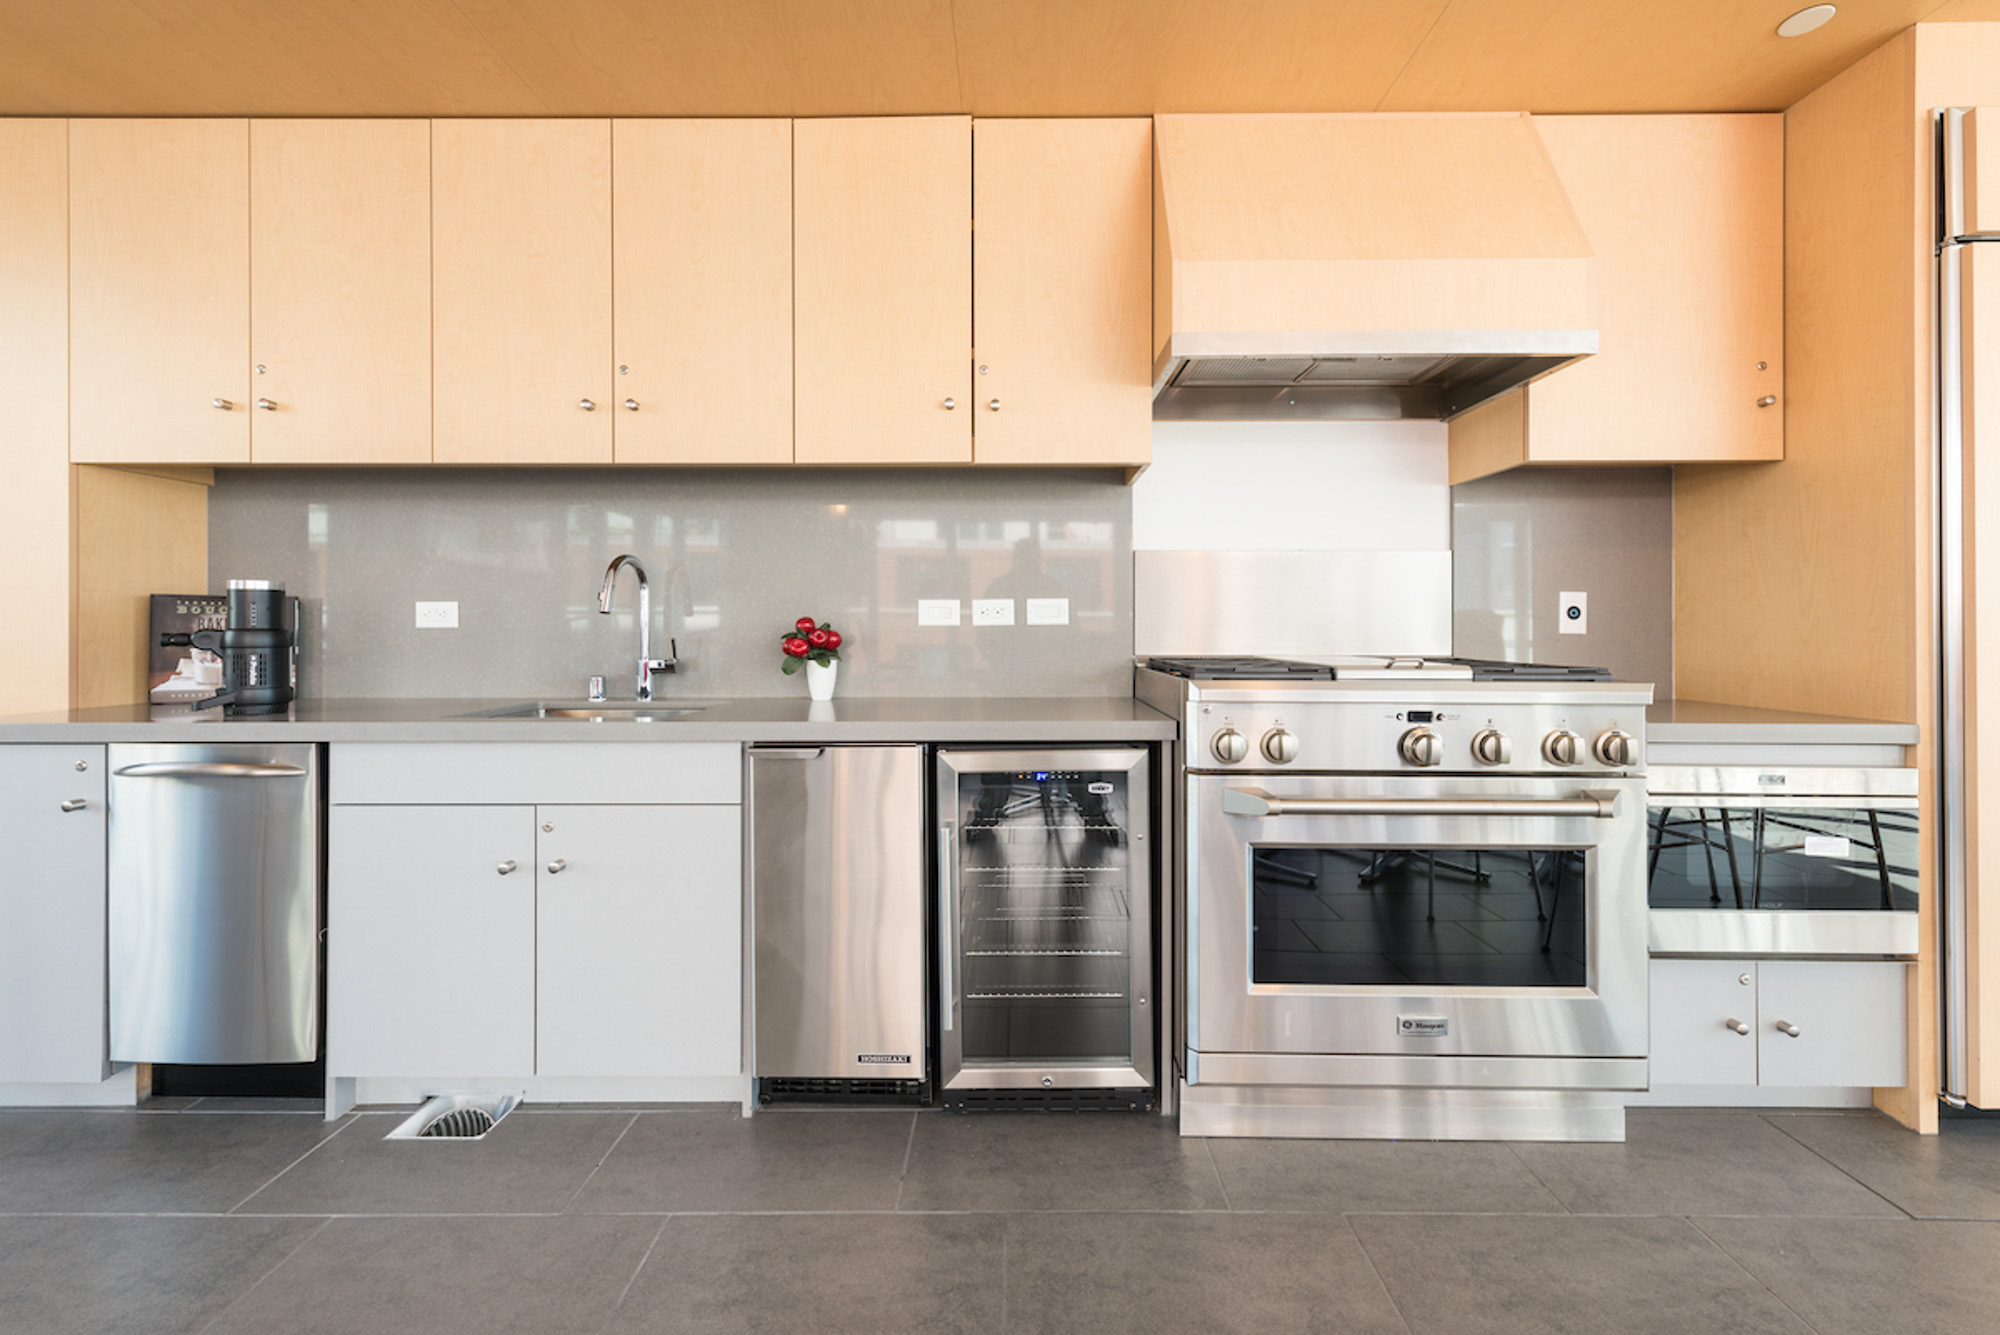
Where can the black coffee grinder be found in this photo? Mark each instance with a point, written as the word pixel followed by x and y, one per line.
pixel 255 648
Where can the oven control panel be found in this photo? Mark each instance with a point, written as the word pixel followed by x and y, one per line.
pixel 1442 738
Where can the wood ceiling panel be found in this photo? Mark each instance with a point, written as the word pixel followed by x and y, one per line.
pixel 246 57
pixel 751 57
pixel 1583 55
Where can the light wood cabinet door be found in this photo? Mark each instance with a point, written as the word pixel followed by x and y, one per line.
pixel 340 291
pixel 639 912
pixel 52 980
pixel 430 945
pixel 882 211
pixel 521 306
pixel 1062 292
pixel 702 264
pixel 159 291
pixel 1686 216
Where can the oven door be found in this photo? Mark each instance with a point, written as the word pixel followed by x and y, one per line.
pixel 1359 929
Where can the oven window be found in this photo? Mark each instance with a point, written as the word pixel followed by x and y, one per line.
pixel 1808 858
pixel 1400 916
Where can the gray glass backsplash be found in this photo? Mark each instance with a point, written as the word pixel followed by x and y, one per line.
pixel 733 558
pixel 1521 539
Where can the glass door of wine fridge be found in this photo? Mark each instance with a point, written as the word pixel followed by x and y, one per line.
pixel 1044 927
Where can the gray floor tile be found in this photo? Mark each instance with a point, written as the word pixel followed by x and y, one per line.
pixel 301 1107
pixel 90 1275
pixel 1496 1275
pixel 1028 1161
pixel 1872 1275
pixel 1426 1177
pixel 494 1276
pixel 1191 1272
pixel 525 1165
pixel 789 1160
pixel 1680 1161
pixel 924 1274
pixel 1952 1175
pixel 124 1161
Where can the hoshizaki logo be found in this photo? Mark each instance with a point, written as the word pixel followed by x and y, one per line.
pixel 884 1059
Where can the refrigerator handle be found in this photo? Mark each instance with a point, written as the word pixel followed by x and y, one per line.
pixel 947 920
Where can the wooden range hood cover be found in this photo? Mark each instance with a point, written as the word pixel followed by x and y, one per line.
pixel 1359 266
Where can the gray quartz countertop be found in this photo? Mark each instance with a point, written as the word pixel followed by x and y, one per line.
pixel 1705 723
pixel 748 719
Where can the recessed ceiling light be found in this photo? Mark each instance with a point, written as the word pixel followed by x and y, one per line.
pixel 1803 22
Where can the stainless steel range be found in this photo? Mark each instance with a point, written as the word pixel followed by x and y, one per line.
pixel 1414 897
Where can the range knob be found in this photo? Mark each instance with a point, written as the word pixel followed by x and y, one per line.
pixel 1562 747
pixel 1229 746
pixel 1617 748
pixel 1421 746
pixel 1280 747
pixel 1491 747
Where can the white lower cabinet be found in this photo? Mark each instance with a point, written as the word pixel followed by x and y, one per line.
pixel 1778 1023
pixel 495 938
pixel 52 980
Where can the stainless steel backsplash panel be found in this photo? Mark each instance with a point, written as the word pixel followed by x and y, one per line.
pixel 1335 602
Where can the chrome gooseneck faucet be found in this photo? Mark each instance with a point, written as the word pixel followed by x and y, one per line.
pixel 648 664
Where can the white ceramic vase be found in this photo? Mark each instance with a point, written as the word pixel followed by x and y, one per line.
pixel 819 680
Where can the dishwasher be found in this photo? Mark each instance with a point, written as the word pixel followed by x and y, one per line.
pixel 837 903
pixel 215 905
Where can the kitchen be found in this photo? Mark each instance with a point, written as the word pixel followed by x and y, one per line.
pixel 1874 693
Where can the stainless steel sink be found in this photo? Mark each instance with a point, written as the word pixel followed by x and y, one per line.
pixel 597 711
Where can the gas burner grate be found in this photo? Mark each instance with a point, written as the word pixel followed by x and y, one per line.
pixel 1241 669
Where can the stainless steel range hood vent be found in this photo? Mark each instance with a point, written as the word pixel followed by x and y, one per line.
pixel 1359 266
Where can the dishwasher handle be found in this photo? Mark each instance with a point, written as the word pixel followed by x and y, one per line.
pixel 1256 802
pixel 209 769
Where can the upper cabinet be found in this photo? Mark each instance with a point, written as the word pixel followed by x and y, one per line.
pixel 702 268
pixel 340 291
pixel 159 266
pixel 882 211
pixel 1062 292
pixel 1686 216
pixel 521 265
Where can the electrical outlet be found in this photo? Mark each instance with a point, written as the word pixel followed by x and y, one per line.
pixel 937 611
pixel 1573 613
pixel 992 611
pixel 437 616
pixel 1048 611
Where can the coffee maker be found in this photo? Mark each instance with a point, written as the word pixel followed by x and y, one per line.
pixel 256 648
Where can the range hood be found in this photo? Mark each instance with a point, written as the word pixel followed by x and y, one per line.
pixel 1359 266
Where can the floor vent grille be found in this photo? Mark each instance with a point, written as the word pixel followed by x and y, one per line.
pixel 455 1117
pixel 795 1089
pixel 1048 1100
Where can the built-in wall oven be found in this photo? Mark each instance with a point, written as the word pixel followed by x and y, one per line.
pixel 1783 860
pixel 1415 907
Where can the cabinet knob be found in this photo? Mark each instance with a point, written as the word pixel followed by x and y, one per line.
pixel 1767 400
pixel 993 404
pixel 557 866
pixel 507 866
pixel 1737 1025
pixel 586 405
pixel 75 804
pixel 223 404
pixel 631 405
pixel 1788 1029
pixel 949 404
pixel 267 405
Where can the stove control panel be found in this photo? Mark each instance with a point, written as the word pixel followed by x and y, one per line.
pixel 1445 736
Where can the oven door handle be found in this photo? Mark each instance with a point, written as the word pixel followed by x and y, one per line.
pixel 1256 802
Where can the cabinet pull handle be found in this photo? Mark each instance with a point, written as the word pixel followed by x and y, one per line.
pixel 223 404
pixel 507 866
pixel 631 405
pixel 75 804
pixel 1767 400
pixel 1788 1029
pixel 949 404
pixel 994 404
pixel 586 405
pixel 557 866
pixel 1737 1025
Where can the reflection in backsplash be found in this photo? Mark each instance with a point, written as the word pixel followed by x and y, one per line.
pixel 733 557
pixel 1521 539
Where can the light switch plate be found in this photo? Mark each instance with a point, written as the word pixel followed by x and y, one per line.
pixel 937 611
pixel 1048 611
pixel 437 616
pixel 1573 613
pixel 992 611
